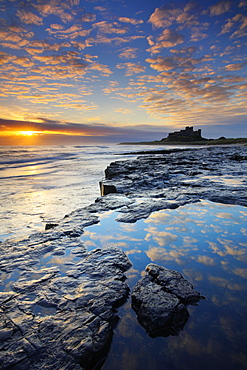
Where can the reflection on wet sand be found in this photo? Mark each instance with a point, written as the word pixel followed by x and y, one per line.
pixel 207 243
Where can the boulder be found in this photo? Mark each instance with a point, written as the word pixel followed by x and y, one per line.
pixel 160 300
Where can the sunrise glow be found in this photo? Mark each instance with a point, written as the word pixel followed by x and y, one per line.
pixel 121 70
pixel 27 133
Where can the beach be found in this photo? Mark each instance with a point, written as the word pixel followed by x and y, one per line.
pixel 184 210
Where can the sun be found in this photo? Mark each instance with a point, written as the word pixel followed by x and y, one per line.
pixel 27 133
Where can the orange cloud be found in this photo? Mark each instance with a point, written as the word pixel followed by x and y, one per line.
pixel 220 8
pixel 107 27
pixel 130 20
pixel 128 53
pixel 168 38
pixel 131 68
pixel 29 17
pixel 235 66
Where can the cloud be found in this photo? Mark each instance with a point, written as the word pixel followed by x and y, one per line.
pixel 5 57
pixel 128 53
pixel 168 14
pixel 238 20
pixel 70 58
pixel 88 17
pixel 104 69
pixel 173 63
pixel 164 16
pixel 56 7
pixel 220 8
pixel 235 66
pixel 243 4
pixel 23 61
pixel 168 38
pixel 72 32
pixel 131 68
pixel 197 35
pixel 130 20
pixel 108 27
pixel 185 50
pixel 29 17
pixel 94 130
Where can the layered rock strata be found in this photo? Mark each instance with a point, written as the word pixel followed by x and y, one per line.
pixel 55 318
pixel 171 179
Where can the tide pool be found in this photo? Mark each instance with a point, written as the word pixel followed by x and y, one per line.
pixel 207 243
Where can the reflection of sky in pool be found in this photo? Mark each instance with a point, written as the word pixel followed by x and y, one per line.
pixel 207 243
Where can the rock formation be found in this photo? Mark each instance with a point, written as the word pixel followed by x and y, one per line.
pixel 169 180
pixel 160 300
pixel 61 320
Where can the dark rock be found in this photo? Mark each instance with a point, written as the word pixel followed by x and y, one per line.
pixel 62 320
pixel 106 189
pixel 160 300
pixel 49 226
pixel 195 174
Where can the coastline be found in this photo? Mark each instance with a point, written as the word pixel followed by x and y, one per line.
pixel 206 142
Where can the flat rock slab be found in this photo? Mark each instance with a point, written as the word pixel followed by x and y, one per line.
pixel 160 300
pixel 55 319
pixel 170 179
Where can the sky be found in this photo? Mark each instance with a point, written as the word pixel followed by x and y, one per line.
pixel 95 71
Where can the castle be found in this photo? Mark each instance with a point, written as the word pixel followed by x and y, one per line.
pixel 187 135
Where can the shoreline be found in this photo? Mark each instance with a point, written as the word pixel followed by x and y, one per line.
pixel 207 142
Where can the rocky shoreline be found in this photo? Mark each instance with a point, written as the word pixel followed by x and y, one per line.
pixel 59 302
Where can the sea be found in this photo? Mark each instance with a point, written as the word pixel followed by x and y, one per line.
pixel 205 241
pixel 40 184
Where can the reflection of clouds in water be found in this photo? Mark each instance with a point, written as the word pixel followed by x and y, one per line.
pixel 226 298
pixel 89 243
pixel 90 234
pixel 216 248
pixel 224 283
pixel 161 237
pixel 188 240
pixel 106 214
pixel 133 251
pixel 193 275
pixel 224 215
pixel 195 347
pixel 208 261
pixel 226 247
pixel 243 231
pixel 244 213
pixel 216 228
pixel 232 249
pixel 160 217
pixel 106 238
pixel 128 227
pixel 178 229
pixel 162 254
pixel 107 243
pixel 132 273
